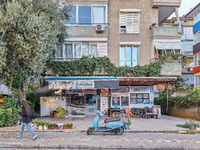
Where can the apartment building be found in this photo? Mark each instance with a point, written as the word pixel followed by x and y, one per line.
pixel 130 33
pixel 195 13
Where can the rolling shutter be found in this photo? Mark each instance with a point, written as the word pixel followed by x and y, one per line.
pixel 102 49
pixel 130 21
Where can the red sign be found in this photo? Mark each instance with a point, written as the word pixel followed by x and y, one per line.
pixel 104 91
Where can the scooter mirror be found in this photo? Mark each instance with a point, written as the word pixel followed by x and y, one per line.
pixel 100 113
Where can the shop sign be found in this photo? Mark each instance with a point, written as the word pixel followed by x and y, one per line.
pixel 90 91
pixel 104 91
pixel 139 89
pixel 121 90
pixel 84 84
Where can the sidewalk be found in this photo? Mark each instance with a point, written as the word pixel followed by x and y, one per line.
pixel 81 124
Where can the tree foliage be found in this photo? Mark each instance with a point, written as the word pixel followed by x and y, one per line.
pixel 28 34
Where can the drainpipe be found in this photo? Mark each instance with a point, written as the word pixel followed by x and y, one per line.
pixel 178 20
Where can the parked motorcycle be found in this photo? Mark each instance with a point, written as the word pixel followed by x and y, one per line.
pixel 111 125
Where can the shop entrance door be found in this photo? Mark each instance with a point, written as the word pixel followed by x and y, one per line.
pixel 124 101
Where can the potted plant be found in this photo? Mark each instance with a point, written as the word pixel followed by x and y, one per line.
pixel 127 124
pixel 67 112
pixel 53 126
pixel 67 126
pixel 191 123
pixel 60 114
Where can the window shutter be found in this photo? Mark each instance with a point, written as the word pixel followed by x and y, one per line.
pixel 122 19
pixel 129 23
pixel 102 49
pixel 136 27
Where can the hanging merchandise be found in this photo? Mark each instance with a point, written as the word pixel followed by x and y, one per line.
pixel 44 99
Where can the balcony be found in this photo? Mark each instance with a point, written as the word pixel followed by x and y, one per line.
pixel 160 31
pixel 171 3
pixel 172 68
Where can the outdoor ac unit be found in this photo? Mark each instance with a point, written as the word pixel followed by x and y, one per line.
pixel 190 69
pixel 100 27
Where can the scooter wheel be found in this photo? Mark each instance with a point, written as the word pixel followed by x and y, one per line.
pixel 119 131
pixel 90 130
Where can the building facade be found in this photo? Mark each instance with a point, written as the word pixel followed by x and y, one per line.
pixel 195 13
pixel 130 33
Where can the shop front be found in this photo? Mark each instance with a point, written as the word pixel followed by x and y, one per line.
pixel 83 96
pixel 132 97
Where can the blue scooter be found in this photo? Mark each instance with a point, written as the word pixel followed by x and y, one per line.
pixel 111 125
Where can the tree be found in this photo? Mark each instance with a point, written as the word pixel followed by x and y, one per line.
pixel 28 34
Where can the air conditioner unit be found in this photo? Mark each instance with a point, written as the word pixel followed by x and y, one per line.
pixel 100 27
pixel 190 69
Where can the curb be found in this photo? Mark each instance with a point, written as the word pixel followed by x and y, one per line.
pixel 74 131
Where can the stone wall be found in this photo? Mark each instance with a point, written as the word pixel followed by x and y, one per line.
pixel 192 112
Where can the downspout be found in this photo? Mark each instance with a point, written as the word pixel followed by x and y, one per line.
pixel 178 20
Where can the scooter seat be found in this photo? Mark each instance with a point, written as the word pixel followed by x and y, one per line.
pixel 111 120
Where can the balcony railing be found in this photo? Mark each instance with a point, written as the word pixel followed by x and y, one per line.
pixel 170 67
pixel 160 31
pixel 175 3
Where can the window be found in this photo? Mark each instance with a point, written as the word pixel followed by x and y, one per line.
pixel 78 49
pixel 198 59
pixel 59 51
pixel 128 56
pixel 195 60
pixel 129 22
pixel 87 15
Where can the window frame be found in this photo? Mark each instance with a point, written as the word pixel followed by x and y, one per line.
pixel 73 50
pixel 91 23
pixel 125 29
pixel 132 61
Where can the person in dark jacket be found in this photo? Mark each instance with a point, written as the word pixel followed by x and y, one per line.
pixel 26 113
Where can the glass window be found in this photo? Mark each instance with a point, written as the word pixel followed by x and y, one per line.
pixel 77 50
pixel 98 14
pixel 59 51
pixel 195 60
pixel 129 56
pixel 195 81
pixel 85 49
pixel 198 59
pixel 94 50
pixel 122 56
pixel 68 51
pixel 72 14
pixel 84 15
pixel 198 79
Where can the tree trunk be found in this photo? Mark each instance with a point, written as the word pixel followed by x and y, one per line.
pixel 23 90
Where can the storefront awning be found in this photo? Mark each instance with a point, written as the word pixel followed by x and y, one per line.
pixel 82 82
pixel 141 81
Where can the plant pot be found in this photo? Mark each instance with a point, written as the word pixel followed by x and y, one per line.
pixel 45 127
pixel 52 128
pixel 40 127
pixel 64 127
pixel 191 127
pixel 197 128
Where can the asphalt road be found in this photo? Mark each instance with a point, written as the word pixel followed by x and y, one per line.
pixel 64 140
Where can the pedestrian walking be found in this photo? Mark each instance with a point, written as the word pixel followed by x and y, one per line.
pixel 26 118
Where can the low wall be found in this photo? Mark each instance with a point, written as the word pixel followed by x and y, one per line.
pixel 192 112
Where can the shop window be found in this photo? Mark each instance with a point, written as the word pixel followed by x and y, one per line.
pixel 142 98
pixel 128 56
